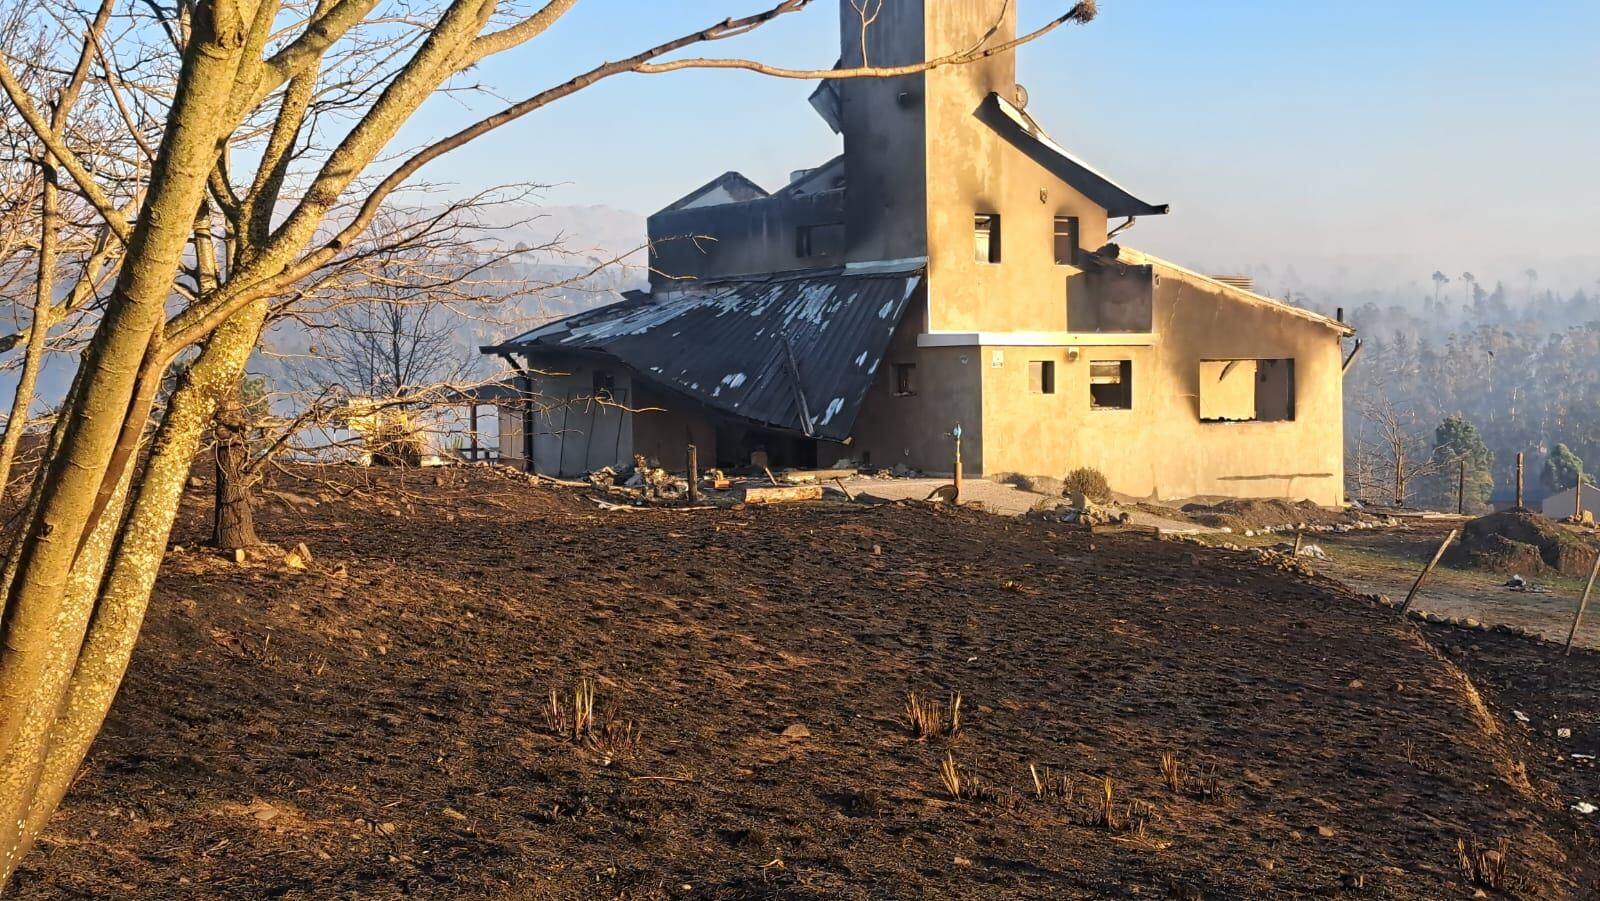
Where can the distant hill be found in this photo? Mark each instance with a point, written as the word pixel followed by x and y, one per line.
pixel 584 232
pixel 600 255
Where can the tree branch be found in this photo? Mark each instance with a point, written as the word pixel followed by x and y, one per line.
pixel 52 141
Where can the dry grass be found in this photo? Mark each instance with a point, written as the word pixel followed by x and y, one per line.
pixel 1172 772
pixel 609 736
pixel 1207 787
pixel 964 786
pixel 614 739
pixel 950 774
pixel 582 708
pixel 1136 821
pixel 1108 807
pixel 555 715
pixel 928 718
pixel 1048 786
pixel 1488 867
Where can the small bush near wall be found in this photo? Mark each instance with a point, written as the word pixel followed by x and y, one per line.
pixel 1091 483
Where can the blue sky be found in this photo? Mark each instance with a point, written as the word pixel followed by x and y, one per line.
pixel 1450 134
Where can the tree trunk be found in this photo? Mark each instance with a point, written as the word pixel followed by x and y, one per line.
pixel 233 525
pixel 119 602
pixel 76 483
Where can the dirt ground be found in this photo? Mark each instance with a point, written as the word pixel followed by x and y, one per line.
pixel 1387 561
pixel 372 726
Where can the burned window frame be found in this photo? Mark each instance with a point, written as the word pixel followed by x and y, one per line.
pixel 1280 369
pixel 1071 234
pixel 1124 384
pixel 904 380
pixel 1041 377
pixel 986 250
pixel 819 239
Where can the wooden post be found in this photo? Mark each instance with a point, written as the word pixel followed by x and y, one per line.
pixel 1461 491
pixel 1587 590
pixel 1577 498
pixel 473 432
pixel 1427 571
pixel 1519 481
pixel 694 473
pixel 957 435
pixel 1298 538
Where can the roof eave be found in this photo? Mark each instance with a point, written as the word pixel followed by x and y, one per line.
pixel 1138 257
pixel 1014 125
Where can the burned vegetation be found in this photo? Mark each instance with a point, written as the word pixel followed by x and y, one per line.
pixel 482 688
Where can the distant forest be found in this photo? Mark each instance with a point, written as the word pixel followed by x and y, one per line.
pixel 1474 375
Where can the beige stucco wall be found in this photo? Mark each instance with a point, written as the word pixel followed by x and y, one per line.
pixel 1158 448
pixel 972 170
pixel 1161 448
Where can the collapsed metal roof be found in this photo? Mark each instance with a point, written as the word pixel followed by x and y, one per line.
pixel 793 351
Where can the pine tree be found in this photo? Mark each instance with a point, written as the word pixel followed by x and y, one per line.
pixel 1562 470
pixel 1457 442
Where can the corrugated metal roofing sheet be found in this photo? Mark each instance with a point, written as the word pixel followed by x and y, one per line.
pixel 723 343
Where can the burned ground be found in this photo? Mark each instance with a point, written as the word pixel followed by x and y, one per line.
pixel 372 726
pixel 1552 700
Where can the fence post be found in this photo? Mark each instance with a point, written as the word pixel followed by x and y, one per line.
pixel 694 473
pixel 1587 590
pixel 957 435
pixel 1427 571
pixel 1461 491
pixel 1519 481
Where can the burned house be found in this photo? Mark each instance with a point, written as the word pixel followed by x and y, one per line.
pixel 953 265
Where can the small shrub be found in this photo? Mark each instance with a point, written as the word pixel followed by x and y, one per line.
pixel 1091 483
pixel 1036 484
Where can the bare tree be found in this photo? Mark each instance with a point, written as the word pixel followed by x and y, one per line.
pixel 1387 453
pixel 394 337
pixel 275 111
